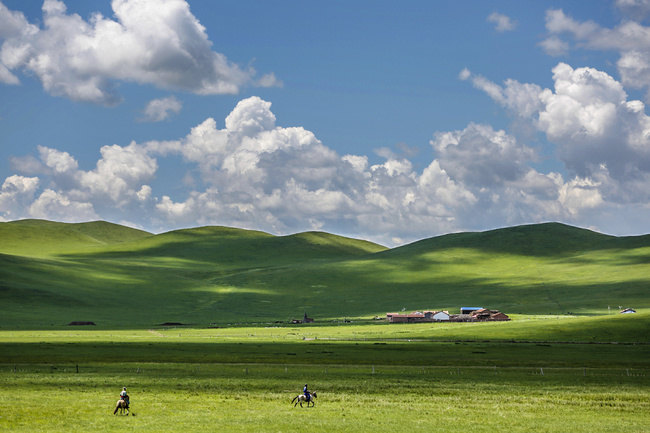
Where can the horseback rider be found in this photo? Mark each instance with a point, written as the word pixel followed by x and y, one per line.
pixel 306 392
pixel 124 396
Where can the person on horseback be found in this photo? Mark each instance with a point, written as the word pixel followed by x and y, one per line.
pixel 124 396
pixel 306 392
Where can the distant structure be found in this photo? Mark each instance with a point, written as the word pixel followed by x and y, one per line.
pixel 628 311
pixel 305 319
pixel 469 310
pixel 483 315
pixel 418 316
pixel 428 316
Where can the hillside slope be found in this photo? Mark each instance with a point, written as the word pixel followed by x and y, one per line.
pixel 120 277
pixel 546 239
pixel 40 238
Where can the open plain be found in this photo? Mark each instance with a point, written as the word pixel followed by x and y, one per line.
pixel 567 361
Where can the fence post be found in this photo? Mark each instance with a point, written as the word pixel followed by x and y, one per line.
pixel 541 370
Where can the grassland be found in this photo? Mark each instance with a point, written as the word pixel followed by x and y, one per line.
pixel 566 362
pixel 53 273
pixel 367 377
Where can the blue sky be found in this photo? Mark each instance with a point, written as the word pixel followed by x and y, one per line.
pixel 390 121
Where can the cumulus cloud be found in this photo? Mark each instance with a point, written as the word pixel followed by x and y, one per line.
pixel 16 194
pixel 158 110
pixel 119 174
pixel 58 206
pixel 555 46
pixel 634 9
pixel 481 156
pixel 630 39
pixel 503 23
pixel 257 174
pixel 253 173
pixel 157 42
pixel 601 135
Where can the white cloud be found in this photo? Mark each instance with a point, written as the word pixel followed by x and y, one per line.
pixel 120 173
pixel 635 9
pixel 19 185
pixel 579 194
pixel 59 162
pixel 253 173
pixel 6 76
pixel 158 110
pixel 503 23
pixel 555 46
pixel 58 206
pixel 83 60
pixel 481 156
pixel 16 194
pixel 630 39
pixel 596 128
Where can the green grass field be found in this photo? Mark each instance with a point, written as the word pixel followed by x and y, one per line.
pixel 367 377
pixel 566 362
pixel 53 273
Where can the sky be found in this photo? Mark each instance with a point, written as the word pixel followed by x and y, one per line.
pixel 382 120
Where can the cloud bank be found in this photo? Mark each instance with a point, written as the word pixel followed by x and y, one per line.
pixel 630 39
pixel 159 43
pixel 253 173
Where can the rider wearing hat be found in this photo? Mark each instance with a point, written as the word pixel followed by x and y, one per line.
pixel 306 392
pixel 124 396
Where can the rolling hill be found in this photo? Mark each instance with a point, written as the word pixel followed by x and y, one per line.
pixel 54 273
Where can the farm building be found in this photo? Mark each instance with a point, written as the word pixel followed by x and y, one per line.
pixel 441 316
pixel 469 310
pixel 417 317
pixel 477 315
pixel 489 315
pixel 628 311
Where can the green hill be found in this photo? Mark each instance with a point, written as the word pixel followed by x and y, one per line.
pixel 41 238
pixel 55 273
pixel 547 239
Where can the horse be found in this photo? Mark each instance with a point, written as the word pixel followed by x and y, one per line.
pixel 300 398
pixel 121 406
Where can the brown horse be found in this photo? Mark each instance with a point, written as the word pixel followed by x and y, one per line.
pixel 300 398
pixel 121 406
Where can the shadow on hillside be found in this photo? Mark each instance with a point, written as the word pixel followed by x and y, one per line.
pixel 550 239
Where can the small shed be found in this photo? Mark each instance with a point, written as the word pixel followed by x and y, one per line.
pixel 441 316
pixel 628 311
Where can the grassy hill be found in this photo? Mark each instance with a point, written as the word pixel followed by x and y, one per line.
pixel 42 238
pixel 54 273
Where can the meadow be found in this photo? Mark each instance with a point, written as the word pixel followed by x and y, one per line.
pixel 566 362
pixel 53 273
pixel 435 377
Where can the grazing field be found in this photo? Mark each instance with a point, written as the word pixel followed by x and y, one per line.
pixel 566 362
pixel 256 398
pixel 434 377
pixel 53 273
